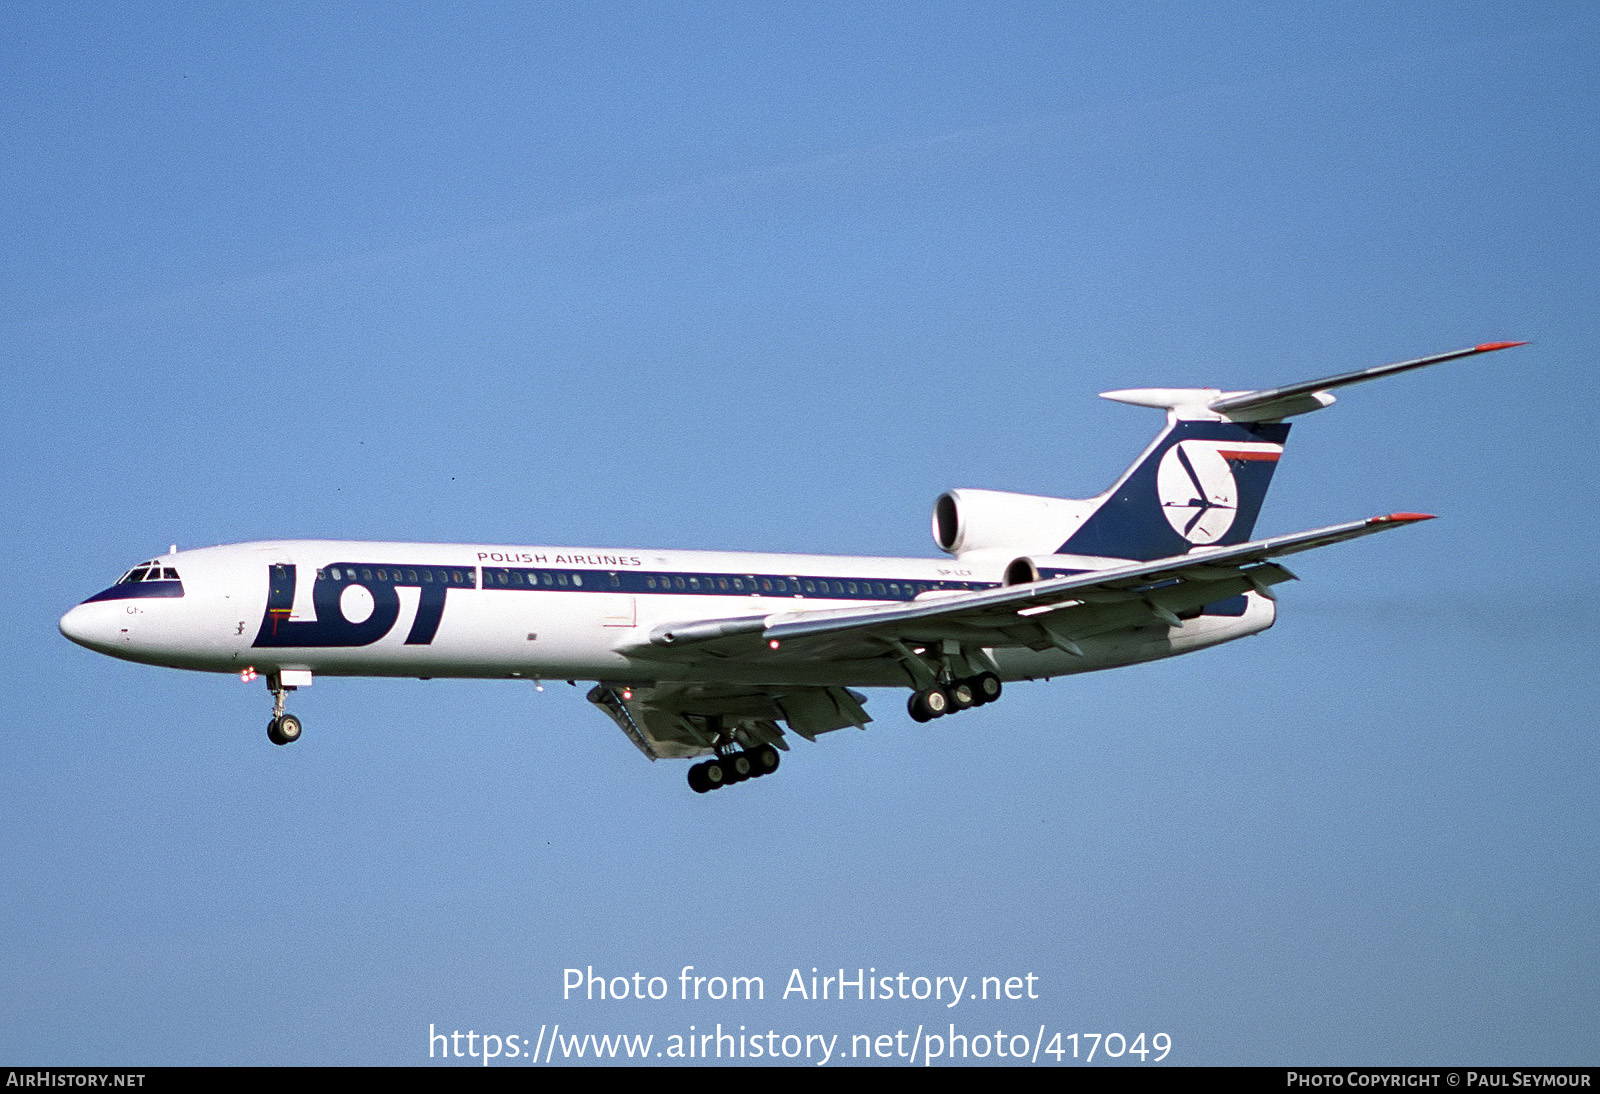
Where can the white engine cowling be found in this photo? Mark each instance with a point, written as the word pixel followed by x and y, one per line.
pixel 965 521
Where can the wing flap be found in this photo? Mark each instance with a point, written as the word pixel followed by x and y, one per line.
pixel 677 720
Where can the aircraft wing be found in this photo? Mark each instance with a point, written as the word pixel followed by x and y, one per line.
pixel 679 719
pixel 1039 615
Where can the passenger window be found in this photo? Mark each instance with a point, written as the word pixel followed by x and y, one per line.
pixel 738 584
pixel 649 583
pixel 577 579
pixel 722 583
pixel 616 582
pixel 366 574
pixel 546 579
pixel 561 579
pixel 411 575
pixel 694 583
pixel 850 586
pixel 678 582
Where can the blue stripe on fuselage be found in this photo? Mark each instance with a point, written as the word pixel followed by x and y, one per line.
pixel 139 590
pixel 683 583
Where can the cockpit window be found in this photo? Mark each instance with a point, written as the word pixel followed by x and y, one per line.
pixel 146 581
pixel 148 571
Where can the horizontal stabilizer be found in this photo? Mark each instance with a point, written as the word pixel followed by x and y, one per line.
pixel 1283 402
pixel 1275 404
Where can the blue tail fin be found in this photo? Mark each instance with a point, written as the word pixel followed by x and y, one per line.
pixel 1201 483
pixel 1203 480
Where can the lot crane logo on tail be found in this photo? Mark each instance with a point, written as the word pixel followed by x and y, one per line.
pixel 1199 496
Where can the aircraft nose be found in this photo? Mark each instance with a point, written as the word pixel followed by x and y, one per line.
pixel 88 626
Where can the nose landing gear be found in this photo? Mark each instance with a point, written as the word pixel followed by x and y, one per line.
pixel 284 729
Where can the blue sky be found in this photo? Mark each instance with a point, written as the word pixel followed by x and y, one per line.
pixel 772 277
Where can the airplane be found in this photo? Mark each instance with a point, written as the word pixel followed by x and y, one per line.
pixel 717 654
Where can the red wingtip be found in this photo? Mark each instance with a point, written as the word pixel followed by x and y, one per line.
pixel 1487 346
pixel 1401 518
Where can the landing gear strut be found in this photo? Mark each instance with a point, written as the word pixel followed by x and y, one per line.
pixel 284 729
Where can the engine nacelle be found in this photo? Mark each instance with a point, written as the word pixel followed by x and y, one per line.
pixel 1026 569
pixel 965 521
pixel 1021 570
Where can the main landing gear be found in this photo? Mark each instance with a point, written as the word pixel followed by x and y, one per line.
pixel 733 767
pixel 969 691
pixel 284 729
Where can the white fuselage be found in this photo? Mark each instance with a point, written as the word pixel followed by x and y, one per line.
pixel 351 608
